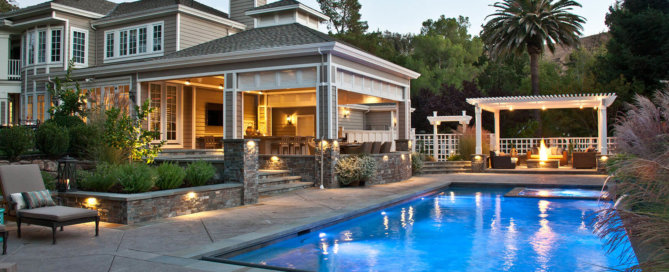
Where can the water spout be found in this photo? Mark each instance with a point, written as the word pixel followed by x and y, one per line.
pixel 618 201
pixel 604 187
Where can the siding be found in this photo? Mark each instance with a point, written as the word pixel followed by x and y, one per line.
pixel 347 63
pixel 355 120
pixel 239 7
pixel 81 23
pixel 194 31
pixel 378 120
pixel 169 35
pixel 202 97
pixel 280 126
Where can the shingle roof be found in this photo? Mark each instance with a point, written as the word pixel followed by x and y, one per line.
pixel 97 6
pixel 276 4
pixel 257 38
pixel 143 5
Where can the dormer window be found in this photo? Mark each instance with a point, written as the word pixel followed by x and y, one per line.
pixel 133 42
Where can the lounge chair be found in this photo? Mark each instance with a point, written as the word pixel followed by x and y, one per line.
pixel 5 234
pixel 27 178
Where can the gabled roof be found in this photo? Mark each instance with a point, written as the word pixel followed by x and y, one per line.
pixel 257 38
pixel 144 5
pixel 276 4
pixel 96 6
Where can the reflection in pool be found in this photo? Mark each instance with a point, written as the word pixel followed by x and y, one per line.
pixel 460 229
pixel 566 193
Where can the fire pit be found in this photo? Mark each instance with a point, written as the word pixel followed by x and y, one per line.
pixel 534 163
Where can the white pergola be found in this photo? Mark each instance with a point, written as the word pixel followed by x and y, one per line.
pixel 435 121
pixel 598 102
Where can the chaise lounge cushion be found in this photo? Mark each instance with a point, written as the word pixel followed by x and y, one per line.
pixel 58 213
pixel 2 228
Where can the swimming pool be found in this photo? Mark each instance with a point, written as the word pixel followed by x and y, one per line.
pixel 458 229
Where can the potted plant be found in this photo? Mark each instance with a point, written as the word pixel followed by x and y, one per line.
pixel 355 170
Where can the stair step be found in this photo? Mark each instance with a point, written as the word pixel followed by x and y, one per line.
pixel 269 182
pixel 265 174
pixel 284 188
pixel 445 171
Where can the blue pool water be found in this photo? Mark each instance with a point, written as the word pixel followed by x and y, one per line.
pixel 460 229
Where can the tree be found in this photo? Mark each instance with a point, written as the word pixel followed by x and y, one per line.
pixel 344 16
pixel 639 45
pixel 126 132
pixel 8 5
pixel 525 25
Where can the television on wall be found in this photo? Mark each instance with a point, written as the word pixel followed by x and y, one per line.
pixel 214 114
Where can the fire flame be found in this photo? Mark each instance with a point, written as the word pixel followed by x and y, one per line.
pixel 543 151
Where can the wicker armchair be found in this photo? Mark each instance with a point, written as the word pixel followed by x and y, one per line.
pixel 501 162
pixel 584 160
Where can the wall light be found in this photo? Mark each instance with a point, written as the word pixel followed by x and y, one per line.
pixel 92 201
pixel 190 195
pixel 187 82
pixel 385 158
pixel 289 120
pixel 395 122
pixel 477 157
pixel 347 113
pixel 335 143
pixel 605 158
pixel 274 159
pixel 402 156
pixel 410 143
pixel 251 144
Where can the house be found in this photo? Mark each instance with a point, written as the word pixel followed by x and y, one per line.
pixel 264 69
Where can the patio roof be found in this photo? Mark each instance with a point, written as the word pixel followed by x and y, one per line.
pixel 560 101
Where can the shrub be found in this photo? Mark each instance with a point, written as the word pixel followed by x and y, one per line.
pixel 67 121
pixel 15 141
pixel 49 180
pixel 416 163
pixel 454 157
pixel 52 139
pixel 102 179
pixel 355 169
pixel 170 176
pixel 82 139
pixel 98 149
pixel 467 143
pixel 136 177
pixel 199 173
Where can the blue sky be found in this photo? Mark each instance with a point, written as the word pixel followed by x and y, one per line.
pixel 406 16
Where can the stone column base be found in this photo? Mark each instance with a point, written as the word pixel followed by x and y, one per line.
pixel 479 163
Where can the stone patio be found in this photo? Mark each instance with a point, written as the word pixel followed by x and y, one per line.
pixel 174 244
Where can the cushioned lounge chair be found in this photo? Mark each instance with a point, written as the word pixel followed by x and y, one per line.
pixel 27 178
pixel 501 162
pixel 5 233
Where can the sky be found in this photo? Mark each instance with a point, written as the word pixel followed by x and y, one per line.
pixel 406 16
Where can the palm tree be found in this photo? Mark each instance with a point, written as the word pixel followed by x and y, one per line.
pixel 526 25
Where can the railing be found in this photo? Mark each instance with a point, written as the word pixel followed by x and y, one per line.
pixel 447 144
pixel 362 136
pixel 14 70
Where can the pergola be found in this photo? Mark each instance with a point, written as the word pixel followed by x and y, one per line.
pixel 495 105
pixel 435 121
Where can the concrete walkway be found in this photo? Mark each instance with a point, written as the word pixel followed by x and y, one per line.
pixel 174 244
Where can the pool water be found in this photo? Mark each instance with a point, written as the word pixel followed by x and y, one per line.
pixel 566 193
pixel 460 229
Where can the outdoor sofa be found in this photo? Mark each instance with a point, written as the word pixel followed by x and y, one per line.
pixel 17 181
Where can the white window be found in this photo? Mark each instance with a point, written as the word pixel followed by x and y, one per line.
pixel 134 42
pixel 56 36
pixel 31 48
pixel 79 47
pixel 41 46
pixel 165 117
pixel 110 45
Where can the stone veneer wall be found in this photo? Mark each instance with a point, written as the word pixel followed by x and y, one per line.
pixel 137 208
pixel 299 165
pixel 390 167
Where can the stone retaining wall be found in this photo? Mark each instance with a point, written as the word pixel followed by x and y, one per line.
pixel 44 164
pixel 299 165
pixel 390 167
pixel 137 208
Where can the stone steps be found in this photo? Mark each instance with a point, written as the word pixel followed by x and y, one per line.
pixel 273 182
pixel 447 167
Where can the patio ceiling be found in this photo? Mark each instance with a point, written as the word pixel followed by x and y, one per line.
pixel 562 101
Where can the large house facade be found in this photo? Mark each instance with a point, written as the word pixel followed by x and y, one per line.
pixel 263 70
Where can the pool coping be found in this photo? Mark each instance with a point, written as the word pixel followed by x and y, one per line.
pixel 251 240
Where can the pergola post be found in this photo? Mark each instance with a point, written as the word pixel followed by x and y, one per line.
pixel 497 132
pixel 435 146
pixel 602 144
pixel 479 145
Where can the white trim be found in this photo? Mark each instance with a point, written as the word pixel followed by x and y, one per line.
pixel 80 12
pixel 217 73
pixel 135 16
pixel 560 101
pixel 178 42
pixel 86 46
pixel 348 51
pixel 300 6
pixel 366 74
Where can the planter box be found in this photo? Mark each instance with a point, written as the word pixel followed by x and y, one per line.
pixel 137 208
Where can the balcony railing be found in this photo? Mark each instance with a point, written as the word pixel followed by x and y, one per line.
pixel 14 71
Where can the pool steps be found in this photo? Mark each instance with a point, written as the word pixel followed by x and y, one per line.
pixel 274 182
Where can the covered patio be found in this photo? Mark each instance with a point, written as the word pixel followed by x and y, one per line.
pixel 598 102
